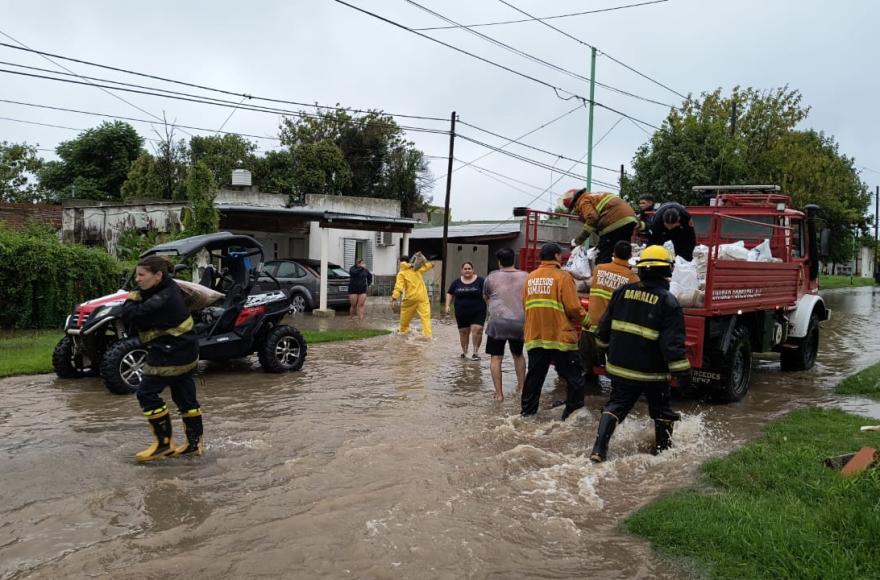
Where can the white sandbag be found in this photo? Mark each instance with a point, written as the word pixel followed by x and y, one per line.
pixel 701 257
pixel 761 252
pixel 685 284
pixel 578 264
pixel 734 251
pixel 196 296
pixel 670 247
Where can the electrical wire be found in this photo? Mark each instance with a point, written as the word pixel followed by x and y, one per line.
pixel 623 64
pixel 213 89
pixel 543 17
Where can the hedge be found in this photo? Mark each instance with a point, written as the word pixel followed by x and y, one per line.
pixel 41 279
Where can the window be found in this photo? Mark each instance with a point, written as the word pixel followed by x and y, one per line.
pixel 797 240
pixel 357 249
pixel 288 270
pixel 739 230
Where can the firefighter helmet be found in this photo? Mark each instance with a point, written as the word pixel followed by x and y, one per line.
pixel 655 257
pixel 569 196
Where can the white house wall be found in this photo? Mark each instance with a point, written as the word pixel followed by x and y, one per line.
pixel 384 257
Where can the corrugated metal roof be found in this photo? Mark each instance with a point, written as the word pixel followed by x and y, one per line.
pixel 468 231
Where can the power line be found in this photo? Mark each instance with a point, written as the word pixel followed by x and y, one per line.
pixel 211 101
pixel 623 64
pixel 493 63
pixel 214 89
pixel 533 58
pixel 490 176
pixel 543 17
pixel 50 125
pixel 519 157
pixel 484 169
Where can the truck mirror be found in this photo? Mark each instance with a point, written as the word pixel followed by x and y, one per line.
pixel 824 241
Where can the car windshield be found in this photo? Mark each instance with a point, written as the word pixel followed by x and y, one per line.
pixel 333 271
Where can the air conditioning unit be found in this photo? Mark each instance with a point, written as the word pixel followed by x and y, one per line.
pixel 384 239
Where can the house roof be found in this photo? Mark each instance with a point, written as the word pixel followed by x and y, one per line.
pixel 495 230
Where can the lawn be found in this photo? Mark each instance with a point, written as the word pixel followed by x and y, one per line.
pixel 773 510
pixel 28 352
pixel 832 282
pixel 865 383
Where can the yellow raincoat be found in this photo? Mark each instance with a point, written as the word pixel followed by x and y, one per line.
pixel 411 286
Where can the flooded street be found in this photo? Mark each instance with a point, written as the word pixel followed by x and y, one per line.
pixel 383 458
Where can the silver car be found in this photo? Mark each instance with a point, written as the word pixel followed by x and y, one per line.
pixel 302 277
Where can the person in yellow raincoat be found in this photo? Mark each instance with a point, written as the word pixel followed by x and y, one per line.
pixel 411 287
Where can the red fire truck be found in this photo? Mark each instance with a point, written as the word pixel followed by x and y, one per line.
pixel 749 307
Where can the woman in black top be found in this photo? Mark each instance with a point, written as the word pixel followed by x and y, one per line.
pixel 165 327
pixel 470 308
pixel 361 278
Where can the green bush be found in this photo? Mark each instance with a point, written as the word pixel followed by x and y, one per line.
pixel 41 279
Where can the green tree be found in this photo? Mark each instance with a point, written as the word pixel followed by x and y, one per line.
pixel 202 216
pixel 320 168
pixel 143 181
pixel 172 163
pixel 222 153
pixel 699 144
pixel 382 162
pixel 18 167
pixel 274 172
pixel 95 164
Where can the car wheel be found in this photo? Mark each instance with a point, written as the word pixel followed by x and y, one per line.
pixel 123 366
pixel 65 363
pixel 299 304
pixel 284 350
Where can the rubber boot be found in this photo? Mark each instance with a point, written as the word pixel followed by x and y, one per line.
pixel 607 425
pixel 163 445
pixel 193 428
pixel 662 435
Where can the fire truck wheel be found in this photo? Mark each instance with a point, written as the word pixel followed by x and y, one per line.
pixel 736 368
pixel 804 356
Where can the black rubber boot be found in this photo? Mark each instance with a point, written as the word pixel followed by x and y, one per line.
pixel 193 430
pixel 163 445
pixel 662 435
pixel 607 425
pixel 568 411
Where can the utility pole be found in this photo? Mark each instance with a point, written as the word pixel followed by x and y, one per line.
pixel 733 120
pixel 590 130
pixel 876 213
pixel 622 174
pixel 446 203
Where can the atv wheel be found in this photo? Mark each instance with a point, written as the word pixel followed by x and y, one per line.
pixel 298 303
pixel 123 366
pixel 736 369
pixel 65 363
pixel 804 356
pixel 284 350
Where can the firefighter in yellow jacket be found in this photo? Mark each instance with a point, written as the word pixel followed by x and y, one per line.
pixel 604 214
pixel 553 309
pixel 410 286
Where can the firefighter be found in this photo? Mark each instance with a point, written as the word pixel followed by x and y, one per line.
pixel 410 285
pixel 165 327
pixel 605 214
pixel 673 222
pixel 553 309
pixel 643 329
pixel 606 279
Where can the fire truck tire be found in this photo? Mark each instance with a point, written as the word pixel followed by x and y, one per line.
pixel 736 368
pixel 64 362
pixel 804 356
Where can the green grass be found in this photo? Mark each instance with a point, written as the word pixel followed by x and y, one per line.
pixel 832 282
pixel 865 383
pixel 29 352
pixel 773 510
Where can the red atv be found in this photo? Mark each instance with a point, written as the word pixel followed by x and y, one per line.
pixel 97 342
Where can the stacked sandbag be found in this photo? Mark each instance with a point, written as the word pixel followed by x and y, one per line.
pixel 196 296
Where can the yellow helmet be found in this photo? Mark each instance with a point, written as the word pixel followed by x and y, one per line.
pixel 655 257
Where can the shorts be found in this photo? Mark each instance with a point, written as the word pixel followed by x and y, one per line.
pixel 495 346
pixel 466 319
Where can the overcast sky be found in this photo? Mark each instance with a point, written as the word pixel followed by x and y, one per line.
pixel 323 51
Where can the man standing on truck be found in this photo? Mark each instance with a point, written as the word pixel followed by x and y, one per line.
pixel 607 278
pixel 672 222
pixel 605 214
pixel 643 329
pixel 552 310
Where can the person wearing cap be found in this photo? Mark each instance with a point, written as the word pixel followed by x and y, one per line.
pixel 553 310
pixel 672 222
pixel 643 330
pixel 604 214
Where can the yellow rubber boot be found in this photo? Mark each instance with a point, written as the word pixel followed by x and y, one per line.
pixel 193 427
pixel 163 445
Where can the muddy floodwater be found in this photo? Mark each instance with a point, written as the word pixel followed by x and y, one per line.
pixel 383 458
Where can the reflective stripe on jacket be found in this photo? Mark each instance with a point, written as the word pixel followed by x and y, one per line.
pixel 606 279
pixel 604 212
pixel 644 331
pixel 552 308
